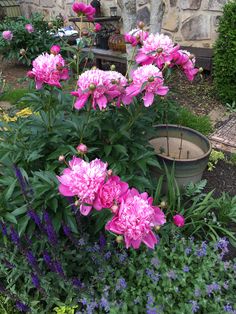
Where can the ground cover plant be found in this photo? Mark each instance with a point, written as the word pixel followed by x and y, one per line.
pixel 80 207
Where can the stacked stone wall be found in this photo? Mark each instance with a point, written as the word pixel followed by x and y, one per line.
pixel 189 22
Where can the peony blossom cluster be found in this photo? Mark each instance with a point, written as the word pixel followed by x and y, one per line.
pixel 136 218
pixel 100 87
pixel 7 35
pixel 136 37
pixel 161 51
pixel 48 69
pixel 149 80
pixel 134 215
pixel 82 9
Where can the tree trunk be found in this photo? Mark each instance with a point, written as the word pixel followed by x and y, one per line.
pixel 157 9
pixel 129 16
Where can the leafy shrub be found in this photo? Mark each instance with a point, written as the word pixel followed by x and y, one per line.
pixel 34 43
pixel 224 55
pixel 215 156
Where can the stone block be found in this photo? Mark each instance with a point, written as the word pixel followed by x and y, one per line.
pixel 173 3
pixel 215 5
pixel 197 28
pixel 142 2
pixel 171 20
pixel 190 4
pixel 47 4
pixel 143 15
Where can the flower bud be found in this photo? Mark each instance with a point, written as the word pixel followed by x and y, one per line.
pixel 141 25
pixel 109 172
pixel 94 68
pixel 77 203
pixel 200 70
pixel 130 81
pixel 50 24
pixel 159 50
pixel 151 79
pixel 157 228
pixel 163 205
pixel 113 81
pixel 59 66
pixel 61 158
pixel 179 220
pixel 119 239
pixel 114 208
pixel 113 67
pixel 22 52
pixel 82 148
pixel 92 87
pixel 191 56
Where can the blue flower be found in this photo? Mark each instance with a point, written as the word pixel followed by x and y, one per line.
pixel 197 292
pixel 22 307
pixel 171 275
pixel 155 261
pixel 211 288
pixel 121 284
pixel 104 304
pixel 186 269
pixel 228 308
pixel 152 275
pixel 188 250
pixel 35 280
pixel 195 306
pixel 107 255
pixel 202 251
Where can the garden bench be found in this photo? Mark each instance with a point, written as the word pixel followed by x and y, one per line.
pixel 106 55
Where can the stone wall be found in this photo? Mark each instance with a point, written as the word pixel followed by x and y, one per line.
pixel 189 22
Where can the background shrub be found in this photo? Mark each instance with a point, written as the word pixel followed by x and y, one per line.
pixel 224 55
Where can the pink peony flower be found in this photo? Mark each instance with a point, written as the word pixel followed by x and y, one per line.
pixel 29 28
pixel 110 193
pixel 147 79
pixel 157 49
pixel 83 9
pixel 7 35
pixel 55 49
pixel 82 148
pixel 97 27
pixel 186 61
pixel 83 179
pixel 136 37
pixel 136 218
pixel 115 83
pixel 48 69
pixel 178 220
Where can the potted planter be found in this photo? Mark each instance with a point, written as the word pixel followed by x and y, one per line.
pixel 185 149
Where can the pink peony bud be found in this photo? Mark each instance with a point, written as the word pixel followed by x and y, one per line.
pixel 82 148
pixel 178 220
pixel 55 49
pixel 30 74
pixel 7 35
pixel 29 28
pixel 97 27
pixel 78 7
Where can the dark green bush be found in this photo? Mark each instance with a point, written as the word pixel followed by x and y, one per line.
pixel 224 55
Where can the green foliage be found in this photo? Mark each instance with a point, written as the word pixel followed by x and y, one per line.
pixel 224 55
pixel 169 111
pixel 232 159
pixel 65 309
pixel 215 156
pixel 33 43
pixel 6 306
pixel 205 216
pixel 14 95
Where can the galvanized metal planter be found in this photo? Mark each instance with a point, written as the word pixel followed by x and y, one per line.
pixel 185 148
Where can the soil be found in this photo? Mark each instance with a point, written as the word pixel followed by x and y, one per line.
pixel 14 74
pixel 222 179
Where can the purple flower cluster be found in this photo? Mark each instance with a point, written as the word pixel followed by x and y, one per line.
pixel 121 284
pixel 202 251
pixel 214 287
pixel 195 306
pixel 172 275
pixel 153 275
pixel 52 237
